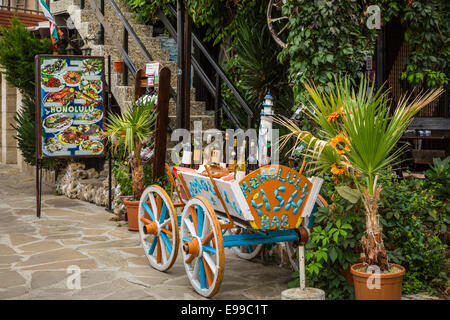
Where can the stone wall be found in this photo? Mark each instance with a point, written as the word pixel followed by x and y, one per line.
pixel 9 103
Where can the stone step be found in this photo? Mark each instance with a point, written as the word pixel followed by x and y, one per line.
pixel 206 119
pixel 197 107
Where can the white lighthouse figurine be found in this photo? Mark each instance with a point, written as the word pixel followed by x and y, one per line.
pixel 265 131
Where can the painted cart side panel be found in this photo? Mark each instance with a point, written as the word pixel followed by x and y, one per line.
pixel 279 197
pixel 230 191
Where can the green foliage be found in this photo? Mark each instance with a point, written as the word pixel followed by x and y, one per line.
pixel 427 24
pixel 25 127
pixel 415 223
pixel 438 176
pixel 255 67
pixel 161 181
pixel 121 172
pixel 222 18
pixel 145 10
pixel 325 38
pixel 18 46
pixel 334 244
pixel 133 127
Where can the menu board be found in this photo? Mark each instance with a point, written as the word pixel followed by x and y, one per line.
pixel 71 110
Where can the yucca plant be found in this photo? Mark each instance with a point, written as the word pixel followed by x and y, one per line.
pixel 130 130
pixel 358 133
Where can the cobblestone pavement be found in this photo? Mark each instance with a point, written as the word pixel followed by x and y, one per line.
pixel 35 254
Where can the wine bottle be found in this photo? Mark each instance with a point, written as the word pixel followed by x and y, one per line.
pixel 252 162
pixel 197 155
pixel 240 168
pixel 187 155
pixel 233 159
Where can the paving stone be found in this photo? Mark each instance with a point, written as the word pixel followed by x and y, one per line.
pixel 110 259
pixel 44 245
pixel 46 278
pixel 140 261
pixel 83 264
pixel 20 238
pixel 63 202
pixel 6 250
pixel 134 251
pixel 61 212
pixel 10 279
pixel 52 256
pixel 10 259
pixel 94 232
pixel 150 281
pixel 13 292
pixel 121 233
pixel 63 236
pixel 73 242
pixel 114 243
pixel 138 294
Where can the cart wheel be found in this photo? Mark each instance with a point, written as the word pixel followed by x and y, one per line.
pixel 158 228
pixel 246 252
pixel 291 247
pixel 203 253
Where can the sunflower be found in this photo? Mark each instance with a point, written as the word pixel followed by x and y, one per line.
pixel 341 144
pixel 337 171
pixel 333 116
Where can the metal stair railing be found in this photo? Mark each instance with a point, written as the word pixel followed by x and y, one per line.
pixel 214 89
pixel 126 31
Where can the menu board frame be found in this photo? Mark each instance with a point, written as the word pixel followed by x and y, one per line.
pixel 40 105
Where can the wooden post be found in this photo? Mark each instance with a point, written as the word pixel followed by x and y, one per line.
pixel 301 266
pixel 180 64
pixel 187 69
pixel 162 123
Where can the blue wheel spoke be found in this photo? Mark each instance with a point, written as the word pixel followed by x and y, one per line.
pixel 162 217
pixel 166 242
pixel 152 247
pixel 200 219
pixel 186 240
pixel 209 249
pixel 148 210
pixel 202 274
pixel 250 249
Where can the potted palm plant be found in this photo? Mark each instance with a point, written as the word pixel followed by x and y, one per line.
pixel 130 130
pixel 357 138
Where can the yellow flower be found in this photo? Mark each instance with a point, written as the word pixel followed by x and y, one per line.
pixel 333 116
pixel 341 144
pixel 336 170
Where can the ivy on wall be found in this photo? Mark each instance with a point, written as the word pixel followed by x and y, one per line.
pixel 427 24
pixel 325 38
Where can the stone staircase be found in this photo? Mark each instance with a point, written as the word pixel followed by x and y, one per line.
pixel 87 25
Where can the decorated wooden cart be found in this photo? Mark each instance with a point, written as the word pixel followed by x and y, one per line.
pixel 271 204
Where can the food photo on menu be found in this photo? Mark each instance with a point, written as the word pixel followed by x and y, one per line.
pixel 71 106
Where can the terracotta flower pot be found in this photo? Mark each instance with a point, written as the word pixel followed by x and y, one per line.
pixel 390 285
pixel 118 65
pixel 132 214
pixel 348 275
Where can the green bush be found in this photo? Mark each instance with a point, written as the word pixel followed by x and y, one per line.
pixel 18 47
pixel 415 222
pixel 122 174
pixel 334 244
pixel 414 219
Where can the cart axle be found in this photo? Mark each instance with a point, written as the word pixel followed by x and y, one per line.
pixel 259 238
